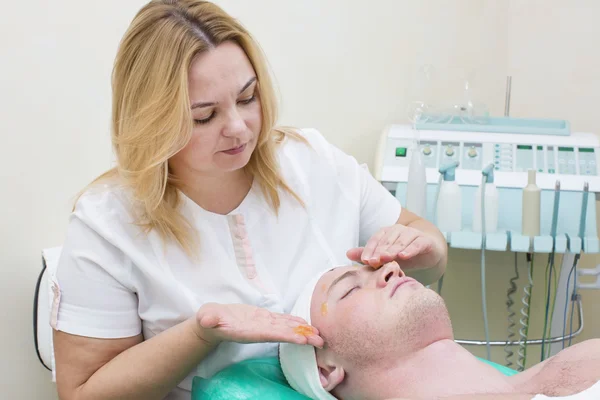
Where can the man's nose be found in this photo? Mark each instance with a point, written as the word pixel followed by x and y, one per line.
pixel 387 272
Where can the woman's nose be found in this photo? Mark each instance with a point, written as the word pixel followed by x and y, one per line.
pixel 235 125
pixel 387 272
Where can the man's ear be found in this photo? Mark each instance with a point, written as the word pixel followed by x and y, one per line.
pixel 331 376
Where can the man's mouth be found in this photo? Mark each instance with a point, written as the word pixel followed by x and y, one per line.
pixel 399 282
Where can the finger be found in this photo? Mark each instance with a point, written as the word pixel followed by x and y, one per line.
pixel 384 244
pixel 398 247
pixel 405 239
pixel 311 335
pixel 421 245
pixel 313 340
pixel 316 341
pixel 209 321
pixel 289 317
pixel 355 254
pixel 302 328
pixel 299 334
pixel 367 254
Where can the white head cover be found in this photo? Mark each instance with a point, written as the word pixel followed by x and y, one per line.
pixel 299 362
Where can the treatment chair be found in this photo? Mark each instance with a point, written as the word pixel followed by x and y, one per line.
pixel 42 331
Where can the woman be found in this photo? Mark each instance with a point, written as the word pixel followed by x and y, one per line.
pixel 188 256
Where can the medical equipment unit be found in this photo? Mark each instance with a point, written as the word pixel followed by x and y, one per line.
pixel 506 184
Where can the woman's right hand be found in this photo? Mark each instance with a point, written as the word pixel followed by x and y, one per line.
pixel 244 323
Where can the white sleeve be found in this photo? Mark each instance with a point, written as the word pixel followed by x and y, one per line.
pixel 92 293
pixel 378 207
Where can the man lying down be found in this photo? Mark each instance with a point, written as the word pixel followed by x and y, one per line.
pixel 387 336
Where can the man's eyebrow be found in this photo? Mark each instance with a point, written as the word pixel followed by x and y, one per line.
pixel 246 86
pixel 343 276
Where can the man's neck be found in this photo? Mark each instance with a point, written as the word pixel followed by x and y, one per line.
pixel 441 369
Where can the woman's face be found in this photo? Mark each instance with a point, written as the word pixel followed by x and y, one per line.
pixel 226 111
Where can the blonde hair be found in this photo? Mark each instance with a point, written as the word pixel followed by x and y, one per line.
pixel 151 116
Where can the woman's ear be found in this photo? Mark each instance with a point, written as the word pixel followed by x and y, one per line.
pixel 331 376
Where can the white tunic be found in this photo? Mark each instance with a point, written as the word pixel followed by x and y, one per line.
pixel 115 281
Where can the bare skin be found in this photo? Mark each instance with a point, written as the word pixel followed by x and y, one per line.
pixel 572 370
pixel 384 341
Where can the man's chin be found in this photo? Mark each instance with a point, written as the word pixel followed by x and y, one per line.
pixel 423 314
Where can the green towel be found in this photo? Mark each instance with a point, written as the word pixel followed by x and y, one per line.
pixel 260 378
pixel 505 370
pixel 263 379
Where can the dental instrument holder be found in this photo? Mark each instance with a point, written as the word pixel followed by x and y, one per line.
pixel 485 194
pixel 508 235
pixel 575 228
pixel 551 152
pixel 446 186
pixel 589 272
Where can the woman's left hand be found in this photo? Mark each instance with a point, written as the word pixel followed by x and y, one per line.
pixel 396 243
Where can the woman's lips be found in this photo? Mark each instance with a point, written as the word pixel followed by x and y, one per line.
pixel 235 150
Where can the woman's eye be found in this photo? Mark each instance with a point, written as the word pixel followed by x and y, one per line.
pixel 350 292
pixel 248 100
pixel 205 120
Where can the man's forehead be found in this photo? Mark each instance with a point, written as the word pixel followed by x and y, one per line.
pixel 336 272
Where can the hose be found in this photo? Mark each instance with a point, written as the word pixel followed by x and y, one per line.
pixel 572 272
pixel 440 284
pixel 548 290
pixel 437 198
pixel 524 331
pixel 550 266
pixel 483 289
pixel 511 314
pixel 435 203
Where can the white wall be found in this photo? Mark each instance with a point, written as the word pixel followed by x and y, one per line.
pixel 55 105
pixel 343 66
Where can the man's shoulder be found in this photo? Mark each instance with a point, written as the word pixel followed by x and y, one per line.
pixel 586 350
pixel 570 371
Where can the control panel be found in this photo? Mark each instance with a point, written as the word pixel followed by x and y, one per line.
pixel 571 159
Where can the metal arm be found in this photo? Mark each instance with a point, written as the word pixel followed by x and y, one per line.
pixel 533 341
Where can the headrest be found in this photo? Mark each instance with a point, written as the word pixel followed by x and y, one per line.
pixel 299 362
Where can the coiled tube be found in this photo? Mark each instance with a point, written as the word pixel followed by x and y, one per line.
pixel 523 332
pixel 511 315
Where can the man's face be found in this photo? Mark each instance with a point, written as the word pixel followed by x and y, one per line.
pixel 367 315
